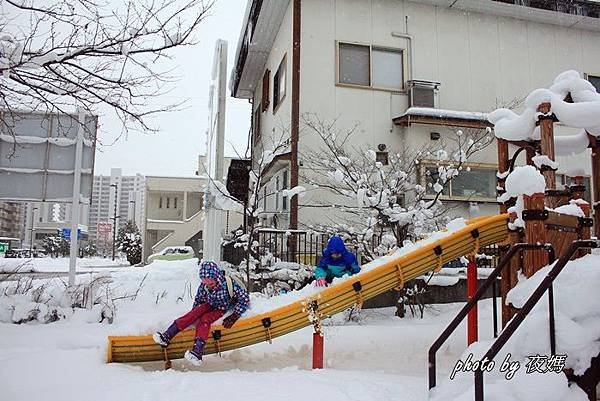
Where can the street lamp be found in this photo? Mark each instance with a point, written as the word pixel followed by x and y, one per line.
pixel 133 212
pixel 114 219
pixel 31 232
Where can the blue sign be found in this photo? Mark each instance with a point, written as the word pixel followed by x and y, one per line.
pixel 65 233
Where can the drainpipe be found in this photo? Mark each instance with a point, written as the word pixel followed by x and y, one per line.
pixel 295 120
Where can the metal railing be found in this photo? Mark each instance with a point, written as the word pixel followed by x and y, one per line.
pixel 517 320
pixel 490 281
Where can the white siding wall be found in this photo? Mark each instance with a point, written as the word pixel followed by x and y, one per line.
pixel 482 61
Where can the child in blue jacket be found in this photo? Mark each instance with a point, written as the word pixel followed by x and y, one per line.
pixel 335 262
pixel 211 303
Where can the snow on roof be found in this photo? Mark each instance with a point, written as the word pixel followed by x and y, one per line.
pixel 442 113
pixel 583 112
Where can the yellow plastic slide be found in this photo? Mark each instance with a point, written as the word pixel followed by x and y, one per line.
pixel 390 274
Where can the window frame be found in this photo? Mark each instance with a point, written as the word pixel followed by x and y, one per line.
pixel 425 164
pixel 160 202
pixel 266 91
pixel 587 76
pixel 402 51
pixel 588 188
pixel 284 198
pixel 256 123
pixel 283 67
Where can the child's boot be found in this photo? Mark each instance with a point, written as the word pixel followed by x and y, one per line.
pixel 165 338
pixel 195 354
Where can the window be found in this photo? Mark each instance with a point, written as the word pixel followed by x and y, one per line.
pixel 175 203
pixel 160 202
pixel 564 181
pixel 382 157
pixel 284 202
pixel 279 84
pixel 265 90
pixel 168 201
pixel 276 193
pixel 265 199
pixel 256 124
pixel 472 182
pixel 370 66
pixel 594 80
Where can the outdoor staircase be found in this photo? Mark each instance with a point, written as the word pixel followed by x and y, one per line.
pixel 181 231
pixel 588 382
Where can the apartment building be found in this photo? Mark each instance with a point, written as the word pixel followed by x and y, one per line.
pixel 11 216
pixel 405 73
pixel 125 193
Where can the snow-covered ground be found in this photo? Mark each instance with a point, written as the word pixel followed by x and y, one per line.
pixel 57 265
pixel 382 358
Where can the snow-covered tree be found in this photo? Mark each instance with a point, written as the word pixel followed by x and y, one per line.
pixel 246 237
pixel 62 55
pixel 52 245
pixel 90 250
pixel 129 241
pixel 383 205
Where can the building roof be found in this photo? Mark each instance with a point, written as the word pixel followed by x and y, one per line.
pixel 431 116
pixel 580 14
pixel 259 29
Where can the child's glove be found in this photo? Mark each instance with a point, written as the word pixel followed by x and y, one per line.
pixel 321 282
pixel 230 320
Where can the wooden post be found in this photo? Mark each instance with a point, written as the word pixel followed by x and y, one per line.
pixel 502 168
pixel 535 232
pixel 546 123
pixel 595 145
pixel 506 282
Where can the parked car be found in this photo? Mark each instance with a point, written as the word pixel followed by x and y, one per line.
pixel 11 253
pixel 173 253
pixel 17 253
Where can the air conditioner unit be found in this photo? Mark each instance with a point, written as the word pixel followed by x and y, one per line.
pixel 422 93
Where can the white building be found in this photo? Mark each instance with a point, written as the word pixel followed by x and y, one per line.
pixel 404 71
pixel 129 191
pixel 43 219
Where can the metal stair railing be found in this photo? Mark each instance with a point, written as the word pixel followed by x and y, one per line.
pixel 490 281
pixel 517 320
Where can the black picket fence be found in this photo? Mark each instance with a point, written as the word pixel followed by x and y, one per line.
pixel 306 247
pixel 298 246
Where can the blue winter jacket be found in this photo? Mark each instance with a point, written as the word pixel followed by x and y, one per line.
pixel 219 298
pixel 329 267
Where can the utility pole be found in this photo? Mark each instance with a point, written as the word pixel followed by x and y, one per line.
pixel 31 236
pixel 114 219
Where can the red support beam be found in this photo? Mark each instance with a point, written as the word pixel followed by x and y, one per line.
pixel 317 351
pixel 472 331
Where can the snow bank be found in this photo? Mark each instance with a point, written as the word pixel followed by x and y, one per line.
pixel 145 299
pixel 58 265
pixel 577 335
pixel 584 112
pixel 524 180
pixel 571 209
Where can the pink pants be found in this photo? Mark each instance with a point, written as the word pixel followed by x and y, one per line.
pixel 204 316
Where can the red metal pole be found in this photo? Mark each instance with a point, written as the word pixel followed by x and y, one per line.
pixel 471 289
pixel 317 351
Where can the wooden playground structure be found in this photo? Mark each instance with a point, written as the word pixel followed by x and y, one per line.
pixel 540 224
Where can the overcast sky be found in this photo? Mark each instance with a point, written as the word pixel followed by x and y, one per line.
pixel 175 148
